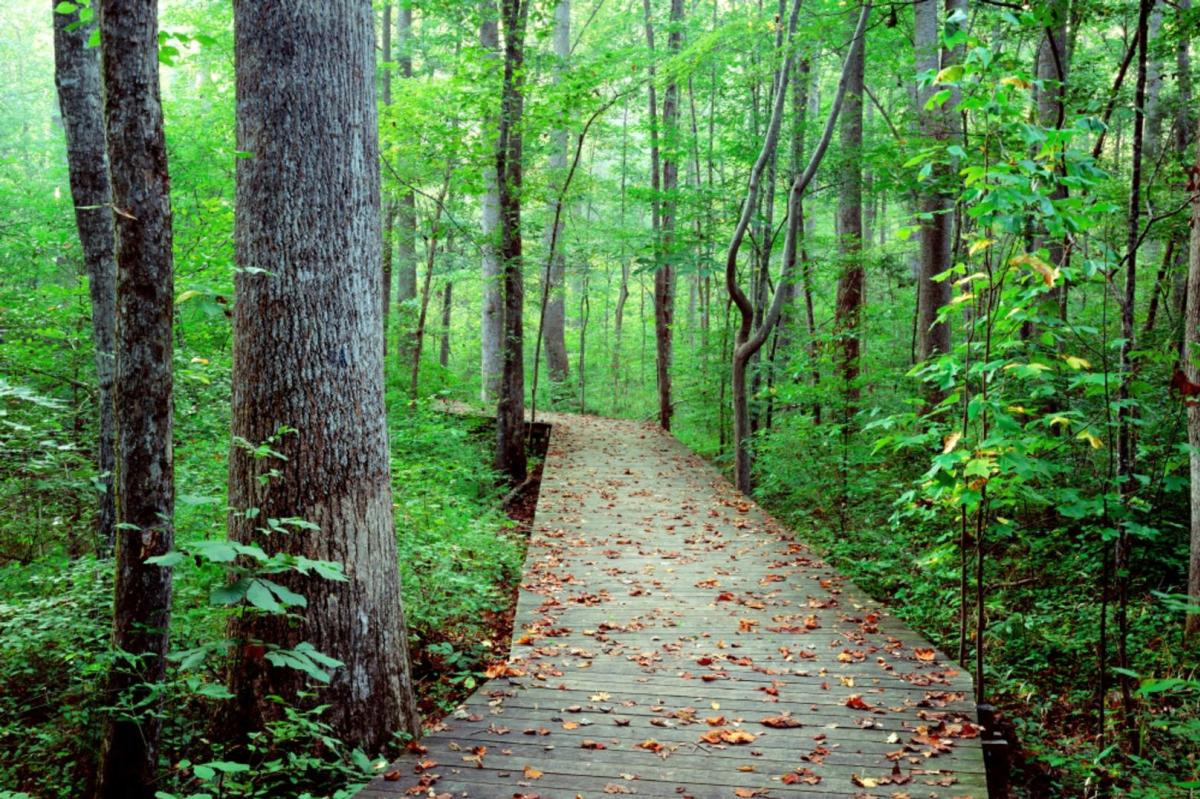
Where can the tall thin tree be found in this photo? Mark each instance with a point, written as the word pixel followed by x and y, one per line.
pixel 308 356
pixel 77 78
pixel 137 158
pixel 556 307
pixel 492 321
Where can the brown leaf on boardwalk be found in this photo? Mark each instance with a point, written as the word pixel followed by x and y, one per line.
pixel 532 774
pixel 801 776
pixel 588 743
pixel 727 736
pixel 927 655
pixel 783 722
pixel 650 745
pixel 614 787
pixel 857 703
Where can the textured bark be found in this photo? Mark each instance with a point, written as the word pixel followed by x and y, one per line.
pixel 510 411
pixel 556 307
pixel 308 354
pixel 1191 367
pixel 933 337
pixel 664 276
pixel 852 282
pixel 137 157
pixel 447 305
pixel 492 322
pixel 77 77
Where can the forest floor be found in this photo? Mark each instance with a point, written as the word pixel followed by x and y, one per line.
pixel 673 640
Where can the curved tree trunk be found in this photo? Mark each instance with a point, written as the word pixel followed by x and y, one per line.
pixel 308 355
pixel 747 339
pixel 77 77
pixel 137 157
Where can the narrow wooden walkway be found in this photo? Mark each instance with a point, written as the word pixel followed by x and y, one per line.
pixel 672 640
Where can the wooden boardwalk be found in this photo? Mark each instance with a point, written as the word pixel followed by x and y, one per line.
pixel 672 640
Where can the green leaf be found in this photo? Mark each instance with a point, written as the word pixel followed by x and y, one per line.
pixel 286 595
pixel 260 596
pixel 215 551
pixel 66 8
pixel 173 558
pixel 230 594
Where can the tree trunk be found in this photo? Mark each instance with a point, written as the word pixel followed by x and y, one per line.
pixel 851 283
pixel 447 306
pixel 556 307
pixel 933 337
pixel 77 77
pixel 389 206
pixel 664 276
pixel 431 242
pixel 510 412
pixel 406 213
pixel 623 289
pixel 145 485
pixel 492 325
pixel 663 285
pixel 748 340
pixel 1191 368
pixel 1126 443
pixel 308 356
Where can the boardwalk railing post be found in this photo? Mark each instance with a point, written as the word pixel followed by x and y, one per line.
pixel 995 753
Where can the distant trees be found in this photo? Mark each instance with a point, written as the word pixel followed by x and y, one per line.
pixel 77 78
pixel 308 356
pixel 144 418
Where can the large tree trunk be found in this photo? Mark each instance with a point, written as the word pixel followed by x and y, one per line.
pixel 852 282
pixel 389 205
pixel 308 355
pixel 510 411
pixel 137 157
pixel 933 337
pixel 492 325
pixel 77 76
pixel 1191 368
pixel 556 306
